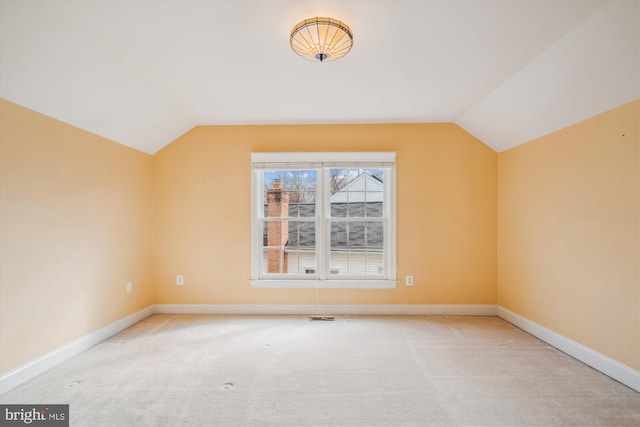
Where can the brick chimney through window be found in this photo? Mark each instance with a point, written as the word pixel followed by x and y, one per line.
pixel 277 231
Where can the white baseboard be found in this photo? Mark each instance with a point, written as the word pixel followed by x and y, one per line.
pixel 31 369
pixel 616 370
pixel 331 309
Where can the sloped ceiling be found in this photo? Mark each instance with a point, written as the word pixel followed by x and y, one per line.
pixel 144 72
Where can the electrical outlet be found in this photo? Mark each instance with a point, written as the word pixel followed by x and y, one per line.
pixel 129 287
pixel 408 280
pixel 179 280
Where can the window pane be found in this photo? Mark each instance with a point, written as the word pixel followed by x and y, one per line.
pixel 289 193
pixel 339 263
pixel 302 235
pixel 378 175
pixel 356 197
pixel 375 196
pixel 357 248
pixel 339 210
pixel 374 209
pixel 276 204
pixel 276 233
pixel 289 246
pixel 356 234
pixel 356 209
pixel 375 235
pixel 275 260
pixel 302 210
pixel 356 193
pixel 338 179
pixel 357 263
pixel 375 263
pixel 282 260
pixel 338 235
pixel 301 262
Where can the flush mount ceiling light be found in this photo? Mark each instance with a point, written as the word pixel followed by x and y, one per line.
pixel 321 39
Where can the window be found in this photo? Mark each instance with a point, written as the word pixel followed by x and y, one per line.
pixel 324 220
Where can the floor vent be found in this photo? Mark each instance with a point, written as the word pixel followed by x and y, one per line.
pixel 325 318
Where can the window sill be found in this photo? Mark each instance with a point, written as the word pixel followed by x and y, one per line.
pixel 324 284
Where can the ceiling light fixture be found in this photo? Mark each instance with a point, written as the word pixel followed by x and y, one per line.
pixel 321 39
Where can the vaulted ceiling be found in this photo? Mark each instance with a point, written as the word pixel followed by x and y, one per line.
pixel 142 73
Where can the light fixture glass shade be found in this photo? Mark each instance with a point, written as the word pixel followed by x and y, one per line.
pixel 321 39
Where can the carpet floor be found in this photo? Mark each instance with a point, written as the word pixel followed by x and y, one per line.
pixel 213 370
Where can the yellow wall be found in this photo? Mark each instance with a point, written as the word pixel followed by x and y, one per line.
pixel 446 213
pixel 568 232
pixel 76 215
pixel 80 216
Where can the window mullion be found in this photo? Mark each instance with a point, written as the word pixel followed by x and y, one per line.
pixel 322 232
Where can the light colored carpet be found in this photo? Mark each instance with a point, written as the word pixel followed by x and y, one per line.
pixel 206 370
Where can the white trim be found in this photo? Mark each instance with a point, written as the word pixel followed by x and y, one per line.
pixel 314 156
pixel 37 366
pixel 391 228
pixel 256 247
pixel 323 284
pixel 321 161
pixel 616 370
pixel 323 229
pixel 331 309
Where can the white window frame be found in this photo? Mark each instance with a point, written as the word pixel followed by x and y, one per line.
pixel 312 160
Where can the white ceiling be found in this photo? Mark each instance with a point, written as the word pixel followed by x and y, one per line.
pixel 143 73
